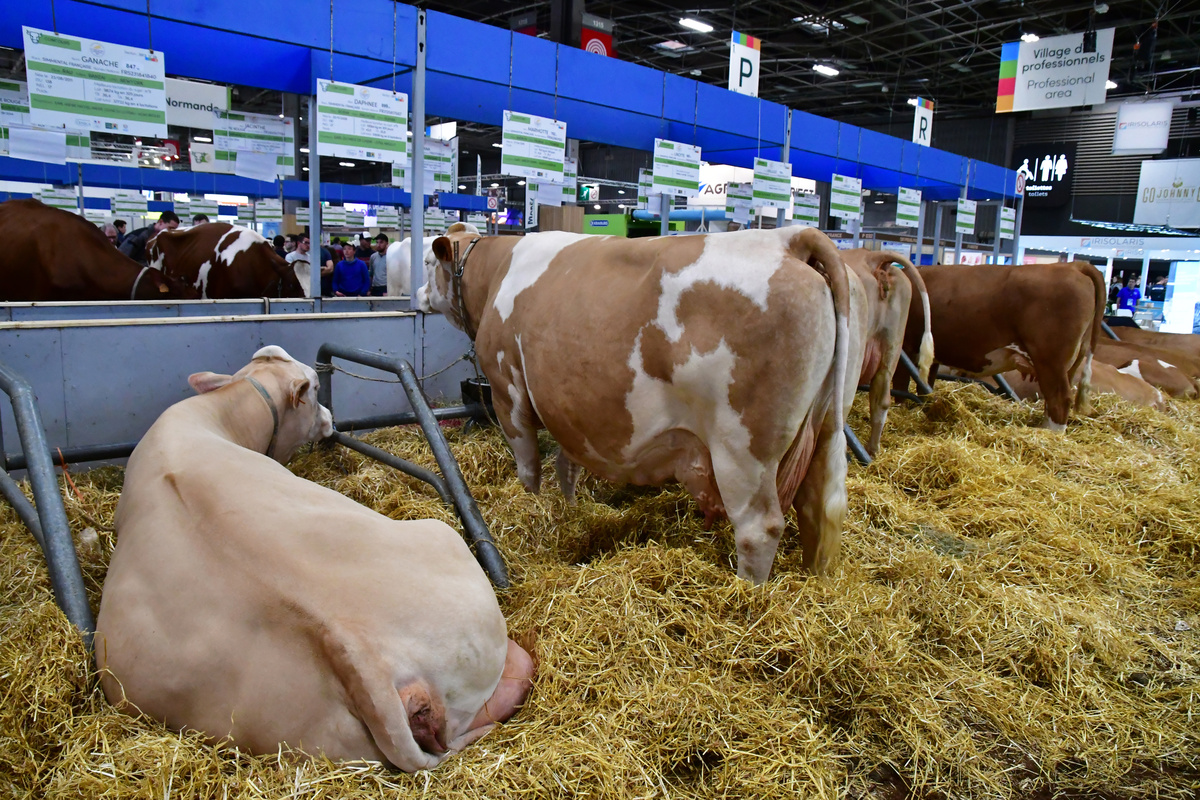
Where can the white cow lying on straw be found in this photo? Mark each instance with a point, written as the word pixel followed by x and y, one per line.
pixel 248 603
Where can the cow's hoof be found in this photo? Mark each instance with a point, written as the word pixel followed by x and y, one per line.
pixel 1051 425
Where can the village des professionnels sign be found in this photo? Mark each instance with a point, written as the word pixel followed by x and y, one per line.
pixel 1047 169
pixel 1054 72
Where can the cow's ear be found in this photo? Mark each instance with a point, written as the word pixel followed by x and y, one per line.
pixel 204 382
pixel 298 389
pixel 442 249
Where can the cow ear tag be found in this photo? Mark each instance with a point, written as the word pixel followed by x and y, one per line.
pixel 162 289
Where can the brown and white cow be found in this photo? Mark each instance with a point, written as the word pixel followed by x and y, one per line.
pixel 1188 343
pixel 1169 370
pixel 250 604
pixel 1106 379
pixel 222 261
pixel 889 293
pixel 1043 319
pixel 719 361
pixel 53 255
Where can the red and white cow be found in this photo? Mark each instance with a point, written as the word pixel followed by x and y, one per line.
pixel 250 604
pixel 719 361
pixel 222 261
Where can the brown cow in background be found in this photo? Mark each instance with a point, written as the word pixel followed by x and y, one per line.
pixel 1188 343
pixel 223 261
pixel 1043 319
pixel 53 255
pixel 1170 370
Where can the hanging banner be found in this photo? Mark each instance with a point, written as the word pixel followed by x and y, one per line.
pixel 744 52
pixel 1053 72
pixel 570 183
pixel 441 165
pixel 533 147
pixel 596 35
pixel 129 203
pixel 1169 193
pixel 772 184
pixel 1142 129
pixel 333 217
pixel 96 215
pixel 361 122
pixel 14 103
pixel 64 199
pixel 908 207
pixel 1008 222
pixel 99 86
pixel 209 208
pixel 183 210
pixel 531 208
pixel 387 217
pixel 964 220
pixel 676 168
pixel 268 211
pixel 355 219
pixel 645 188
pixel 845 200
pixel 303 218
pixel 191 104
pixel 245 213
pixel 37 144
pixel 252 133
pixel 435 222
pixel 923 122
pixel 739 202
pixel 806 210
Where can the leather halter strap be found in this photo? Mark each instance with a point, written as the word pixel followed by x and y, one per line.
pixel 136 281
pixel 460 264
pixel 274 414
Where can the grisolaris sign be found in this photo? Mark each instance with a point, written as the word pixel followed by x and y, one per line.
pixel 361 122
pixel 90 85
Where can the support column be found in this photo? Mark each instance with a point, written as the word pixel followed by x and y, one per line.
pixel 1018 251
pixel 781 216
pixel 665 211
pixel 920 234
pixel 1145 271
pixel 566 22
pixel 417 106
pixel 314 202
pixel 958 237
pixel 1108 271
pixel 938 214
pixel 996 235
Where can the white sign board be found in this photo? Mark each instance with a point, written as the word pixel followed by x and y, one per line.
pixel 1008 222
pixel 261 134
pixel 676 168
pixel 1142 128
pixel 333 217
pixel 744 53
pixel 739 202
pixel 387 217
pixel 14 103
pixel 245 213
pixel 964 221
pixel 98 86
pixel 361 122
pixel 355 219
pixel 35 143
pixel 1169 193
pixel 1054 72
pixel 923 122
pixel 908 207
pixel 208 208
pixel 64 199
pixel 129 203
pixel 268 211
pixel 772 184
pixel 435 221
pixel 533 147
pixel 303 218
pixel 645 188
pixel 191 104
pixel 845 199
pixel 570 185
pixel 806 210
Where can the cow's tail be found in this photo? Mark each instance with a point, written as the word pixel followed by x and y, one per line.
pixel 1083 398
pixel 925 355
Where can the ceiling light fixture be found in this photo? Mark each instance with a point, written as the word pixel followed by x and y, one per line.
pixel 201 139
pixel 696 25
pixel 495 186
pixel 597 206
pixel 671 45
pixel 462 186
pixel 825 70
pixel 497 144
pixel 520 183
pixel 303 149
pixel 912 101
pixel 1110 85
pixel 346 163
pixel 1030 38
pixel 620 191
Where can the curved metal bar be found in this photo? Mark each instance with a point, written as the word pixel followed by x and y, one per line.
pixel 486 552
pixel 396 463
pixel 859 452
pixel 57 546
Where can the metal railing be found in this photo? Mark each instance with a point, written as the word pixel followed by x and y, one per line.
pixel 47 521
pixel 450 486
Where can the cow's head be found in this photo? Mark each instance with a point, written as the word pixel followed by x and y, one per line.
pixel 292 390
pixel 154 285
pixel 284 282
pixel 439 291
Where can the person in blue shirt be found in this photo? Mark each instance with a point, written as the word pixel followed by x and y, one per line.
pixel 351 278
pixel 1129 296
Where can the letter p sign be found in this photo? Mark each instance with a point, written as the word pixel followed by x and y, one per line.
pixel 744 64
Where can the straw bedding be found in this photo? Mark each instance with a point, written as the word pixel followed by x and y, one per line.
pixel 1015 614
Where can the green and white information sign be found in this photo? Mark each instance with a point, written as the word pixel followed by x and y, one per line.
pixel 333 217
pixel 645 188
pixel 302 216
pixel 361 122
pixel 739 200
pixel 259 134
pixel 91 85
pixel 355 219
pixel 570 183
pixel 387 217
pixel 964 221
pixel 441 165
pixel 806 210
pixel 676 168
pixel 129 203
pixel 245 213
pixel 772 184
pixel 268 211
pixel 908 207
pixel 845 199
pixel 435 222
pixel 1008 222
pixel 183 210
pixel 533 147
pixel 210 208
pixel 64 199
pixel 14 103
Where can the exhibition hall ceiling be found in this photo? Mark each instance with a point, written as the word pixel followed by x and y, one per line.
pixel 884 51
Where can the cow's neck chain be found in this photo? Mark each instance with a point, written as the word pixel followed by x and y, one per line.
pixel 460 264
pixel 274 414
pixel 136 281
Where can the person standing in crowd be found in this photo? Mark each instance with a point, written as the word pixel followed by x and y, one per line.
pixel 362 250
pixel 301 253
pixel 134 245
pixel 110 233
pixel 120 226
pixel 327 271
pixel 199 219
pixel 1114 292
pixel 351 277
pixel 278 242
pixel 379 266
pixel 1129 296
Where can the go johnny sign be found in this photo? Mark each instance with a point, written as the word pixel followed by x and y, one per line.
pixel 1169 193
pixel 1054 72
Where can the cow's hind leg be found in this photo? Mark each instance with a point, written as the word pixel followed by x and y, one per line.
pixel 751 501
pixel 820 502
pixel 568 475
pixel 880 401
pixel 514 412
pixel 1056 388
